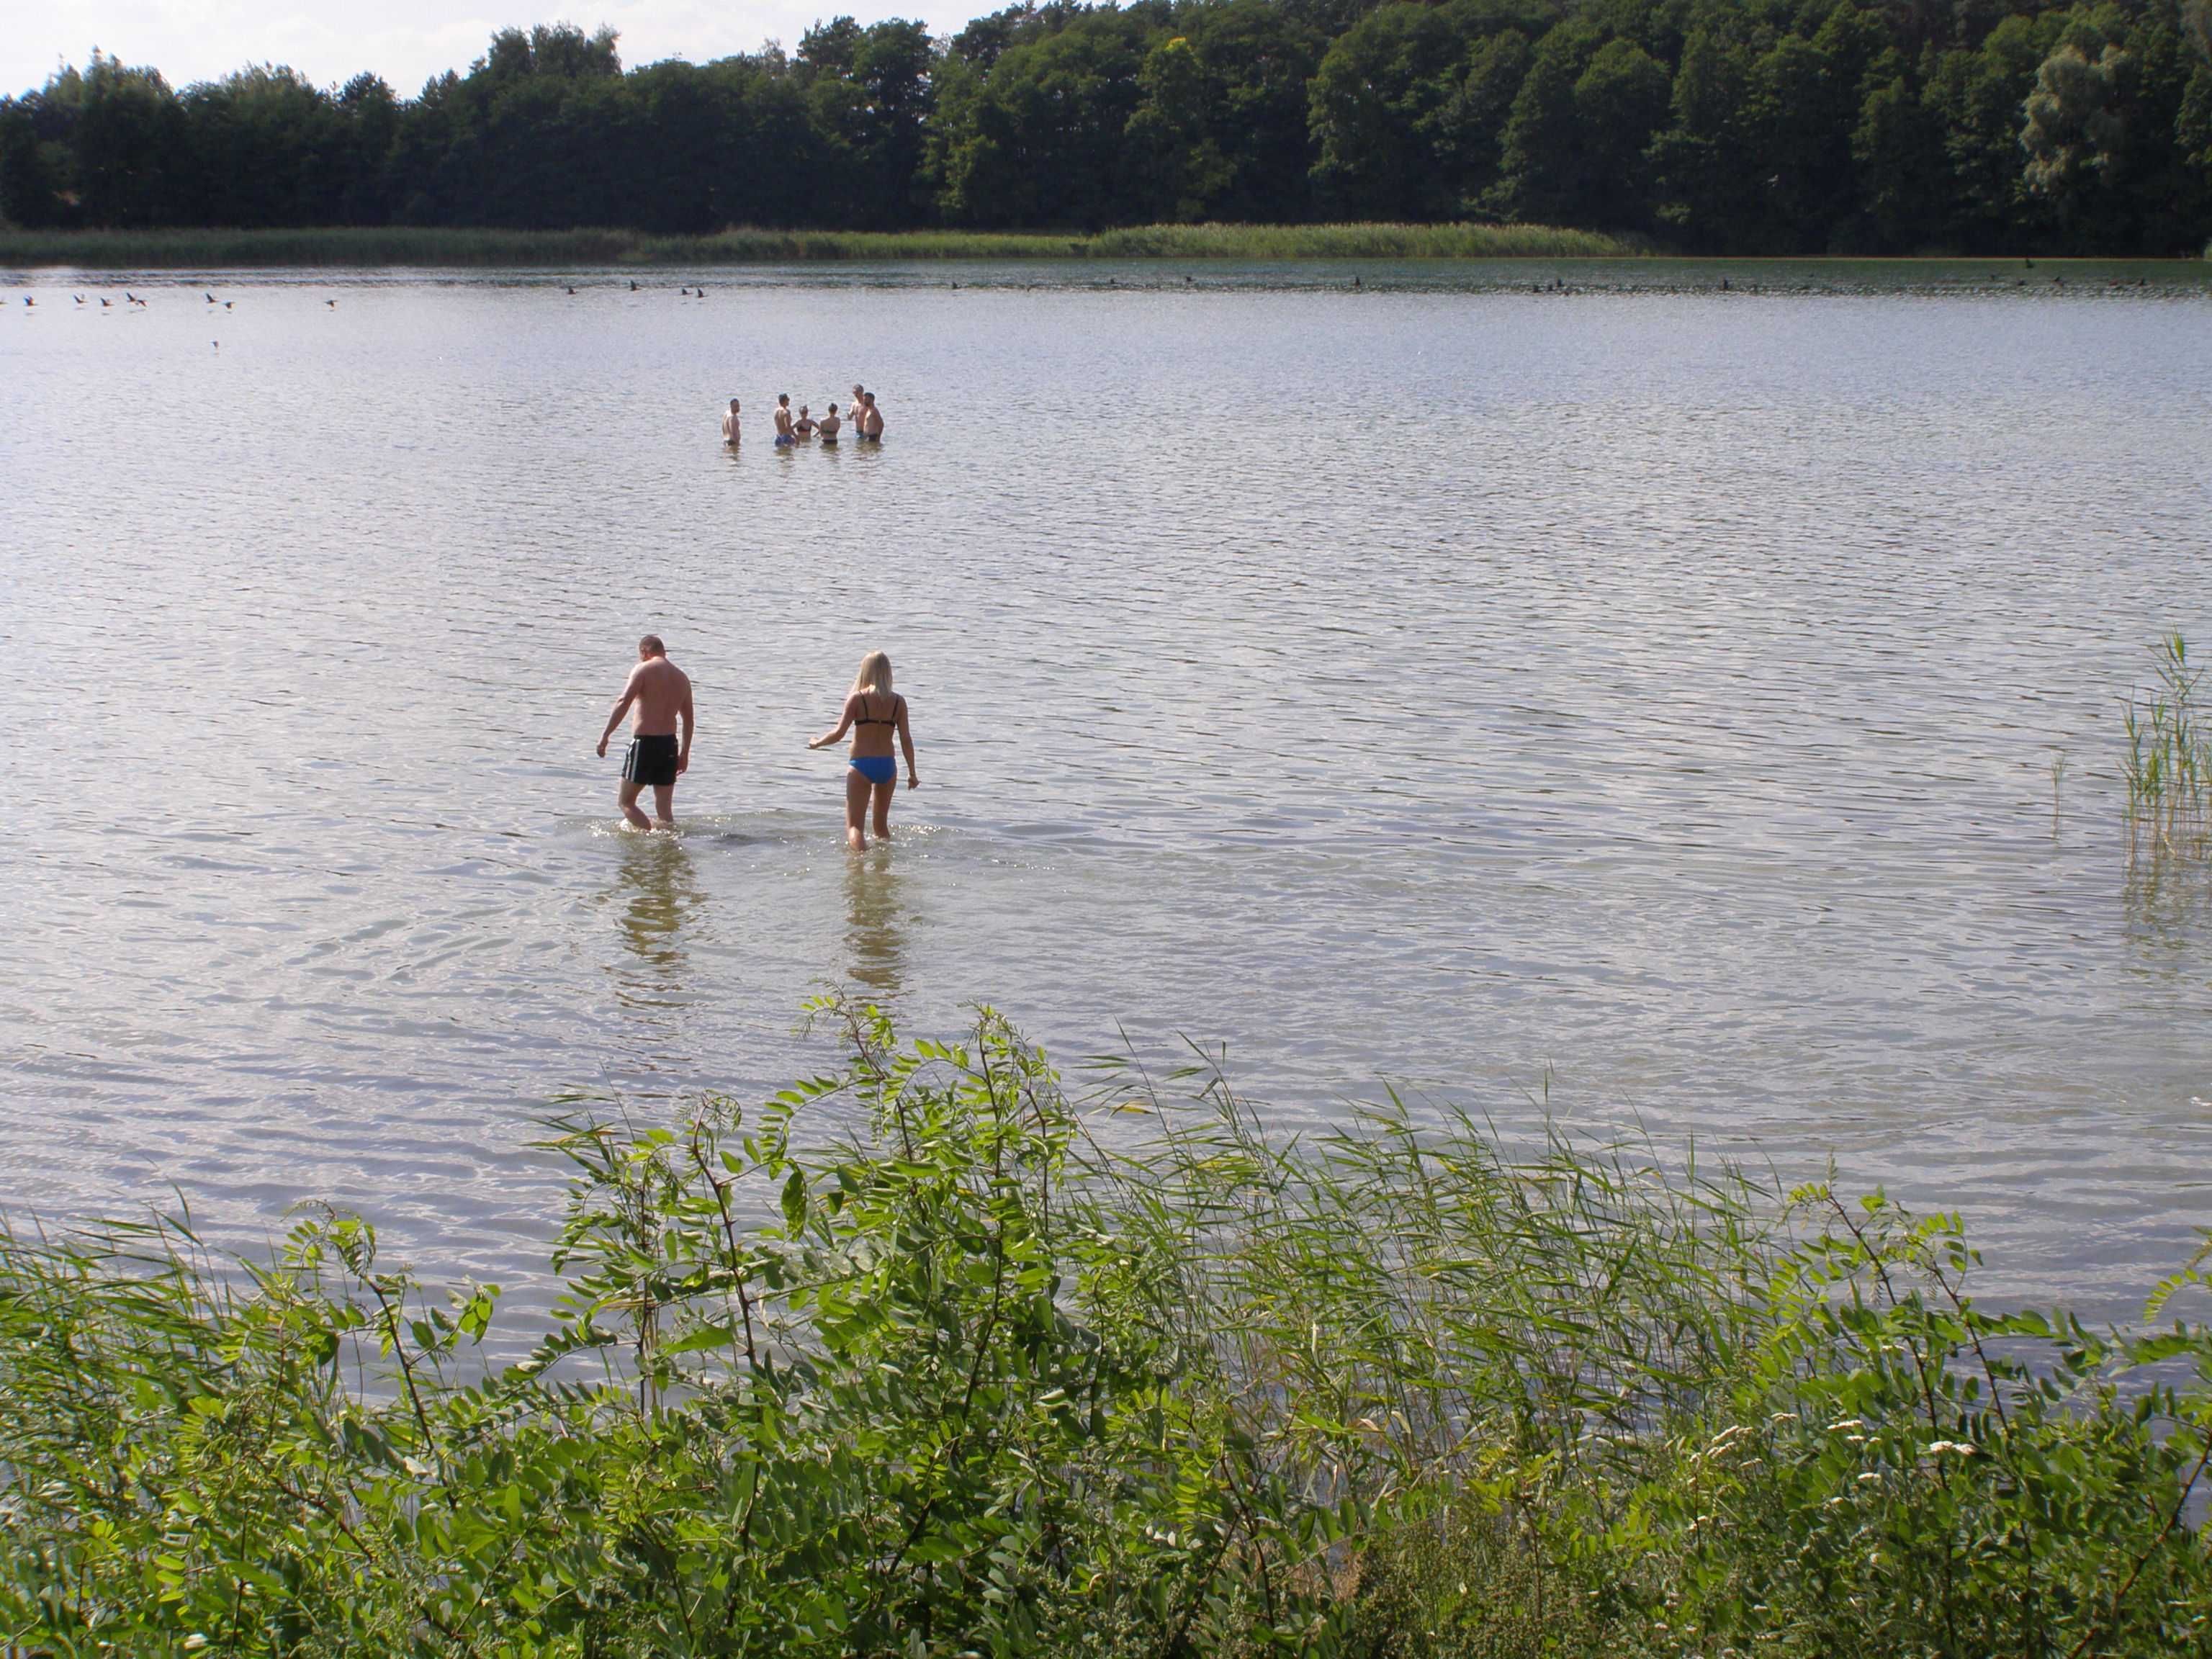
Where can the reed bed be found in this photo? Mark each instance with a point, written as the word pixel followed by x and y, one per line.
pixel 2168 765
pixel 432 248
pixel 1006 1373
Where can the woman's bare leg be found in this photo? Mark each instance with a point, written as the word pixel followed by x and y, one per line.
pixel 856 810
pixel 884 794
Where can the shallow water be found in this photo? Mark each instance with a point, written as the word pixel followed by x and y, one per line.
pixel 1644 703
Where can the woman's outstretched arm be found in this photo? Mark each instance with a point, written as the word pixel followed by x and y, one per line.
pixel 906 741
pixel 844 725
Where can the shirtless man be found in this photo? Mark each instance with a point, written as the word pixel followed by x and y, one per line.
pixel 870 419
pixel 730 424
pixel 661 693
pixel 783 420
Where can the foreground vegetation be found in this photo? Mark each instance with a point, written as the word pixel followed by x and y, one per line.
pixel 977 1381
pixel 1735 126
pixel 155 250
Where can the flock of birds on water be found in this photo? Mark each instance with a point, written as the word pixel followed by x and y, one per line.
pixel 1557 285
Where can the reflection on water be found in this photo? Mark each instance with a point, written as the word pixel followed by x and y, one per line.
pixel 658 888
pixel 875 920
pixel 2168 900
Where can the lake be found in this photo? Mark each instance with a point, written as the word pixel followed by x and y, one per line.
pixel 1683 713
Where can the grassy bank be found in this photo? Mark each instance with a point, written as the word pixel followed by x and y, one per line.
pixel 128 250
pixel 980 1385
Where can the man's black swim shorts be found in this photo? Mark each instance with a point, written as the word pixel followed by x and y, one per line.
pixel 651 761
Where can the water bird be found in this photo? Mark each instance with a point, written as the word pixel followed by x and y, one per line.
pixel 333 304
pixel 210 299
pixel 226 304
pixel 28 301
pixel 105 301
pixel 572 289
pixel 79 298
pixel 633 284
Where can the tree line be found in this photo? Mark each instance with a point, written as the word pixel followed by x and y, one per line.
pixel 1747 126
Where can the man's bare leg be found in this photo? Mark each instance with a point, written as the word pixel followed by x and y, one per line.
pixel 856 810
pixel 664 804
pixel 884 794
pixel 637 819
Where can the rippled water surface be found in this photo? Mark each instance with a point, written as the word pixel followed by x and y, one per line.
pixel 1653 697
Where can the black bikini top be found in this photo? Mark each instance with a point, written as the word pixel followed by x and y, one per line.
pixel 865 719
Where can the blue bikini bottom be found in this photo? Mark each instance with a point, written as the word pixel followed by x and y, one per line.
pixel 876 768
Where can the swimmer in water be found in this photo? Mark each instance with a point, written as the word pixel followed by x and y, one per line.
pixel 730 424
pixel 871 419
pixel 803 427
pixel 830 426
pixel 660 693
pixel 783 438
pixel 874 713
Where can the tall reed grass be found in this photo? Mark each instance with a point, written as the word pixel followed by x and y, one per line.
pixel 2168 765
pixel 428 246
pixel 1001 1373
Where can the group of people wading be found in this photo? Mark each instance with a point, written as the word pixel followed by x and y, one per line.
pixel 861 414
pixel 657 700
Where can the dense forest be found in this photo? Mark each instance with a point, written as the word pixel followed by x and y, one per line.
pixel 1751 126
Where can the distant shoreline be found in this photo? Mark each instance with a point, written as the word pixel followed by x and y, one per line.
pixel 434 247
pixel 425 246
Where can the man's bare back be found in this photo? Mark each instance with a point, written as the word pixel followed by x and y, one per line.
pixel 660 691
pixel 658 699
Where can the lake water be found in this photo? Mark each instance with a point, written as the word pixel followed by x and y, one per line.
pixel 1642 701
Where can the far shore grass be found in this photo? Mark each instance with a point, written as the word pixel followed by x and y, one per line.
pixel 424 245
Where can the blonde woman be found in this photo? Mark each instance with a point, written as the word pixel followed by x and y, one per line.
pixel 874 713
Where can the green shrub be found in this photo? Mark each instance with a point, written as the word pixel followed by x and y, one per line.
pixel 980 1378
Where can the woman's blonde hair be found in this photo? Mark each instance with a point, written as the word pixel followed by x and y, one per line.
pixel 875 674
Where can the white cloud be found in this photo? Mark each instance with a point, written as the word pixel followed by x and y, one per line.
pixel 405 41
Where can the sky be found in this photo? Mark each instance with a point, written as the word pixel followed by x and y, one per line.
pixel 405 41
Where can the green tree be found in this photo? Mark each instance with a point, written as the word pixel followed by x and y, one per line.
pixel 37 153
pixel 1038 138
pixel 1978 95
pixel 1898 147
pixel 1466 132
pixel 130 139
pixel 2071 130
pixel 1543 170
pixel 1177 170
pixel 1702 164
pixel 1802 106
pixel 1377 86
pixel 1258 61
pixel 1621 100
